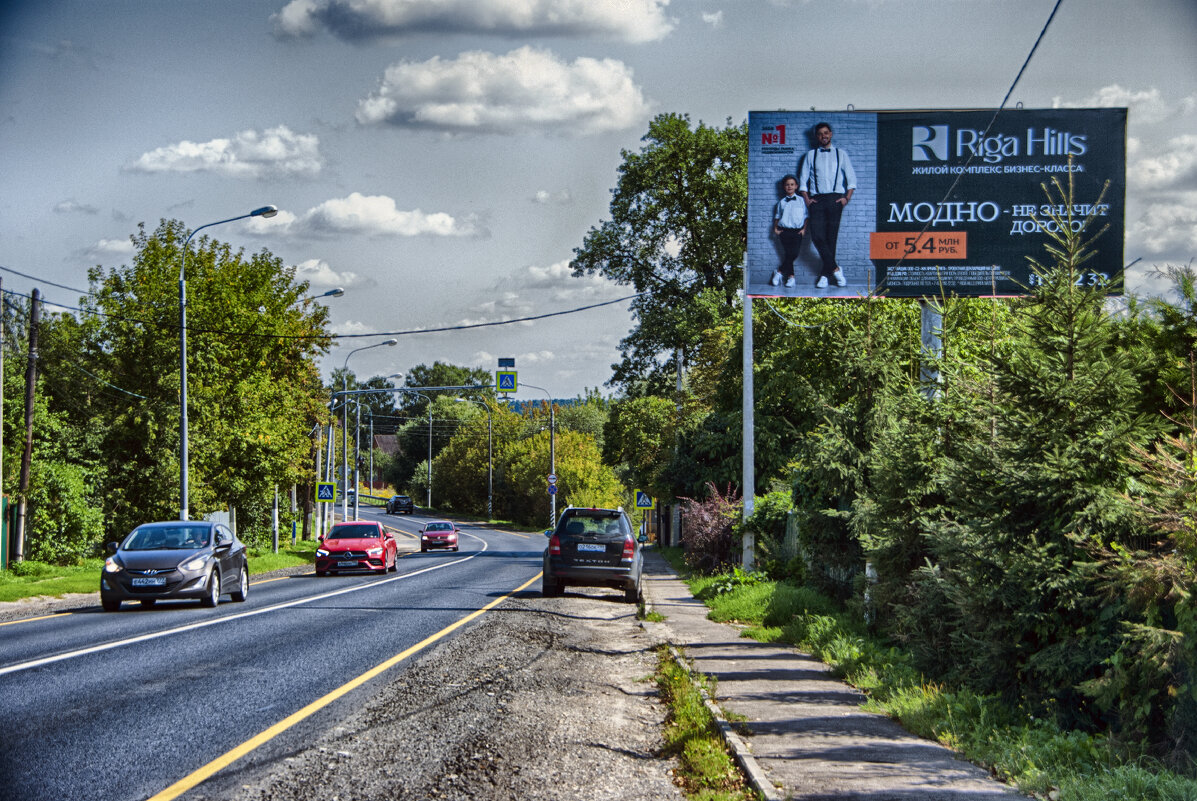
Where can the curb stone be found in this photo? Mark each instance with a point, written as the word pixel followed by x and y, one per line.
pixel 739 749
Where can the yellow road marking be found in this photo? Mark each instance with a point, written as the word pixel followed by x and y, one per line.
pixel 267 581
pixel 31 619
pixel 252 744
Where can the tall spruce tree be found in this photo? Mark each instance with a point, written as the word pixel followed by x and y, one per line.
pixel 1014 573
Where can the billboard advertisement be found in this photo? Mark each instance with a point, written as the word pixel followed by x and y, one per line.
pixel 924 203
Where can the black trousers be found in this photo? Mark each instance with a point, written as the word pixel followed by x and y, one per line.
pixel 824 226
pixel 791 246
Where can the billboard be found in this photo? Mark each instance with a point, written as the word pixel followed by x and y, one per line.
pixel 920 203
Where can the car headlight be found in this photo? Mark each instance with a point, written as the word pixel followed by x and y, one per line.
pixel 194 564
pixel 321 552
pixel 374 552
pixel 113 565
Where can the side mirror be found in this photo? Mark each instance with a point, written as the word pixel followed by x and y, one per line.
pixel 112 546
pixel 548 532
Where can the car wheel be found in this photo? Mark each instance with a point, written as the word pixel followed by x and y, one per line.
pixel 321 573
pixel 395 564
pixel 110 604
pixel 147 602
pixel 423 549
pixel 550 588
pixel 213 596
pixel 242 586
pixel 632 594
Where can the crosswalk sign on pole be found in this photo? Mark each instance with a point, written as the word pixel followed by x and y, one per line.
pixel 645 501
pixel 326 492
pixel 505 381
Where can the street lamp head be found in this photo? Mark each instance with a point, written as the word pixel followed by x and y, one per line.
pixel 265 211
pixel 390 342
pixel 334 293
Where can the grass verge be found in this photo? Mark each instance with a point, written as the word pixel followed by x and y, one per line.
pixel 1034 754
pixel 707 771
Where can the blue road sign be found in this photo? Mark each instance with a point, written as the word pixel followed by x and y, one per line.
pixel 552 489
pixel 505 380
pixel 645 501
pixel 326 492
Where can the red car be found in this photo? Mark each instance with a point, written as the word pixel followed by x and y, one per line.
pixel 357 545
pixel 438 534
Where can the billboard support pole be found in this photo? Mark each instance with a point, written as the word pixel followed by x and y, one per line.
pixel 749 455
pixel 931 339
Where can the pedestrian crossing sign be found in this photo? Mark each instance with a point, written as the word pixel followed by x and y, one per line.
pixel 645 501
pixel 505 380
pixel 326 492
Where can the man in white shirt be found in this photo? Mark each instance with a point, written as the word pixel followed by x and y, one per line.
pixel 827 183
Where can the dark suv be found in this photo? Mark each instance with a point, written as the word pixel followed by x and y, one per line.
pixel 593 548
pixel 400 504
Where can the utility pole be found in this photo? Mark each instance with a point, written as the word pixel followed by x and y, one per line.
pixel 35 306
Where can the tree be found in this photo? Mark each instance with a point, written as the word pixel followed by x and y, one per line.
pixel 638 437
pixel 64 520
pixel 441 374
pixel 254 388
pixel 676 234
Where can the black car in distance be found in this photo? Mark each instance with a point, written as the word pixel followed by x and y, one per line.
pixel 175 559
pixel 593 548
pixel 400 504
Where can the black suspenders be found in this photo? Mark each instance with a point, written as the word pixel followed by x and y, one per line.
pixel 814 170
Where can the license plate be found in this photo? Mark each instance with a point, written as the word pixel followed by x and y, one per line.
pixel 596 547
pixel 347 563
pixel 154 581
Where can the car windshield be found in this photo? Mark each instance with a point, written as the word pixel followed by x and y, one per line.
pixel 439 527
pixel 353 532
pixel 167 538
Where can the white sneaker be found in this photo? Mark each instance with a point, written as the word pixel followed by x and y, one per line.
pixel 790 281
pixel 840 280
pixel 822 282
pixel 776 279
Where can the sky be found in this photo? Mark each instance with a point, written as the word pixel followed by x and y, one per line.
pixel 441 159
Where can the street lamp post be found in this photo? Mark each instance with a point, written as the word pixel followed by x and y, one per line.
pixel 345 427
pixel 490 454
pixel 552 452
pixel 264 211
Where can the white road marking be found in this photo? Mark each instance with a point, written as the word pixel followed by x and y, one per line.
pixel 96 649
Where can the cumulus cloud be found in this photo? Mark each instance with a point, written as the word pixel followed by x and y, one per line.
pixel 107 248
pixel 248 154
pixel 363 20
pixel 1167 230
pixel 75 207
pixel 350 327
pixel 536 289
pixel 528 89
pixel 1146 105
pixel 320 275
pixel 363 215
pixel 526 358
pixel 1172 167
pixel 715 19
pixel 544 197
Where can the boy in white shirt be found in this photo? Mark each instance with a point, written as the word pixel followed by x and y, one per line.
pixel 789 224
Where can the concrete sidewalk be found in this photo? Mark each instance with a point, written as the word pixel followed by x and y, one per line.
pixel 803 727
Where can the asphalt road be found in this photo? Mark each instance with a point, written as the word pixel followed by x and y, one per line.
pixel 123 706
